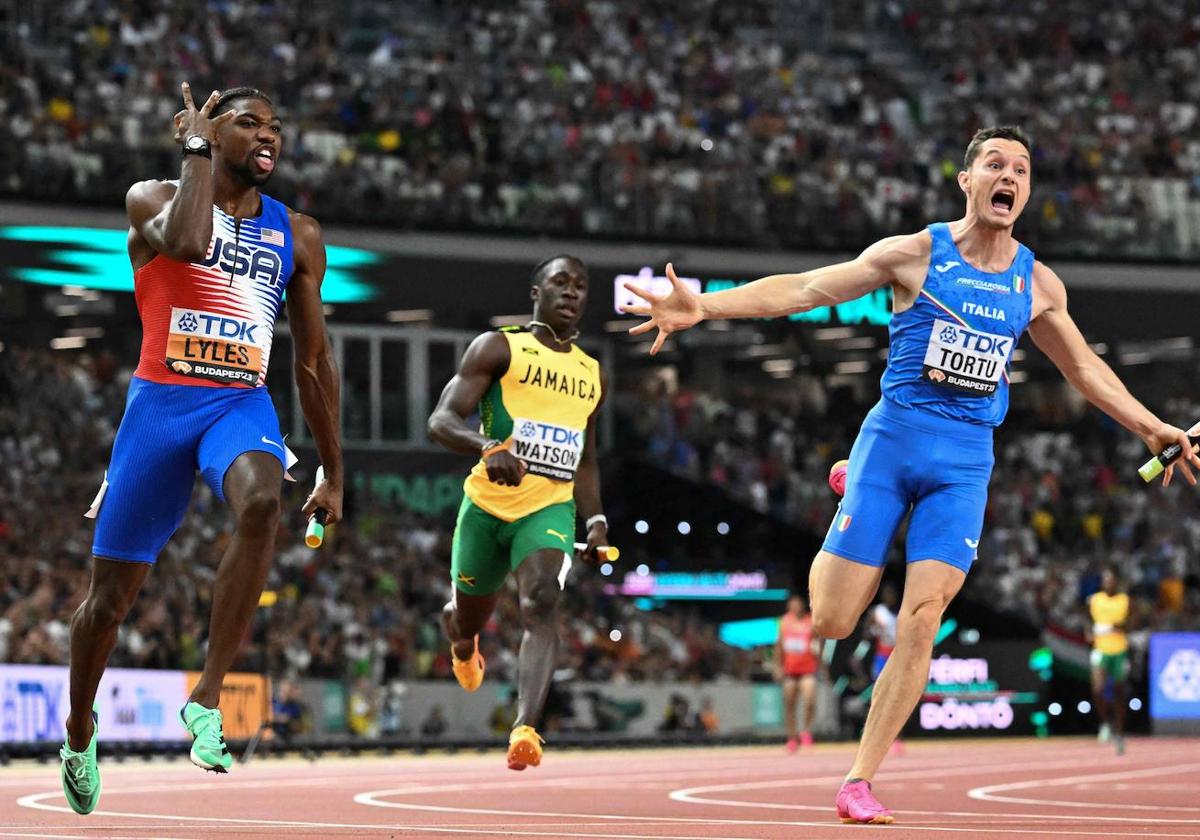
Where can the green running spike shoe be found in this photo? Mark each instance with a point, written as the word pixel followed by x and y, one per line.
pixel 81 773
pixel 208 740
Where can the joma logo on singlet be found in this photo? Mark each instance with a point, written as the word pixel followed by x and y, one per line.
pixel 261 265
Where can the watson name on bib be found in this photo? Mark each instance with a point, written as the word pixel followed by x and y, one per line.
pixel 548 450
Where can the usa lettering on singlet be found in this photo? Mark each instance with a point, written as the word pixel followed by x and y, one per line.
pixel 212 322
pixel 950 351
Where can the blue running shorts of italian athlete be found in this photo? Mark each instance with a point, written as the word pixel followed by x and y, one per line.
pixel 168 432
pixel 907 459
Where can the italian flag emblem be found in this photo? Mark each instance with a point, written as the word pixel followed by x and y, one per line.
pixel 844 522
pixel 1019 284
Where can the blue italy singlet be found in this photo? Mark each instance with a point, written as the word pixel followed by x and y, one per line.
pixel 925 450
pixel 950 350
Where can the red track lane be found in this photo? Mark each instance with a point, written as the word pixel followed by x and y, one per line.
pixel 1060 788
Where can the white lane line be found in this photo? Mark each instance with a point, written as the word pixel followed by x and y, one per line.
pixel 373 798
pixel 265 825
pixel 988 793
pixel 90 836
pixel 691 796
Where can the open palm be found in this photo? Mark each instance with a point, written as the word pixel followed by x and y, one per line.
pixel 669 313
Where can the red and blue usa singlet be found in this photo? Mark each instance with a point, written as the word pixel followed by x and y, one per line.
pixel 212 322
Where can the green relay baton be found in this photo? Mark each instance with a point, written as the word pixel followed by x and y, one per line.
pixel 1153 468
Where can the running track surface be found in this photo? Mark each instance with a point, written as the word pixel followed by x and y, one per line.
pixel 1062 788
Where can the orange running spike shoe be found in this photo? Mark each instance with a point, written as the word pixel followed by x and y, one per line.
pixel 524 748
pixel 468 672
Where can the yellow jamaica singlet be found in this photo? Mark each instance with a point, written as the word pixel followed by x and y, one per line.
pixel 540 409
pixel 1108 611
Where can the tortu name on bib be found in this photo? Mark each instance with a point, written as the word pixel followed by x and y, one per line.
pixel 964 359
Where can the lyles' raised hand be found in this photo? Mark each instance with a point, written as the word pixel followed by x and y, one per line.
pixel 669 313
pixel 192 120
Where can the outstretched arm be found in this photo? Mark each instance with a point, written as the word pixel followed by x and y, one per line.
pixel 316 372
pixel 887 261
pixel 1056 334
pixel 486 360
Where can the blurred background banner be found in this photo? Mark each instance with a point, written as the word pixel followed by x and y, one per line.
pixel 1175 682
pixel 134 704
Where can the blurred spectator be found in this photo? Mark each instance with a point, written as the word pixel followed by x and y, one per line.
pixel 676 717
pixel 290 715
pixel 363 709
pixel 501 720
pixel 434 725
pixel 707 721
pixel 680 120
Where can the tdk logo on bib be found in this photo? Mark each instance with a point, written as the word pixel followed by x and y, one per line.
pixel 548 433
pixel 262 265
pixel 549 450
pixel 965 359
pixel 209 325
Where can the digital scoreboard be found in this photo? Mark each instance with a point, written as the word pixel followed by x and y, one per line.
pixel 987 687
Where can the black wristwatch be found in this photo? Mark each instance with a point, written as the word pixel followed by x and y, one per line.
pixel 197 145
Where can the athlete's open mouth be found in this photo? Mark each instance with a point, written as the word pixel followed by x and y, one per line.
pixel 1002 200
pixel 264 157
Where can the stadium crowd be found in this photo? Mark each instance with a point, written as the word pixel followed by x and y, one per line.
pixel 1058 509
pixel 683 120
pixel 364 607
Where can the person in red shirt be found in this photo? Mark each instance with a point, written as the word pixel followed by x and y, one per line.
pixel 797 664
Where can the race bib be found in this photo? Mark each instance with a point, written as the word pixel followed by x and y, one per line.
pixel 964 359
pixel 222 348
pixel 548 450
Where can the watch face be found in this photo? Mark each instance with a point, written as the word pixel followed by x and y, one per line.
pixel 196 142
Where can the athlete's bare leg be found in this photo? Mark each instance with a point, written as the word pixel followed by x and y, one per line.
pixel 537 580
pixel 1099 676
pixel 463 618
pixel 1117 709
pixel 252 486
pixel 840 590
pixel 808 696
pixel 115 585
pixel 791 691
pixel 929 587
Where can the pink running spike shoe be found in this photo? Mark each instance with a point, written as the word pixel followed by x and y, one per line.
pixel 856 804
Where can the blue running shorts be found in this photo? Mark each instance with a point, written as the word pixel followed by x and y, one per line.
pixel 168 432
pixel 906 459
